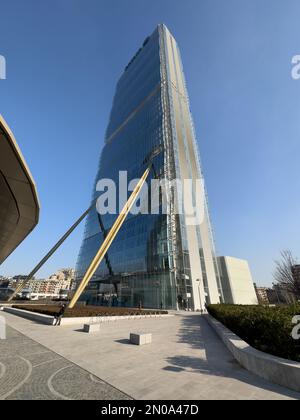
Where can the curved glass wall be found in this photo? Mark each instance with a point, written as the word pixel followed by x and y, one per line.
pixel 149 262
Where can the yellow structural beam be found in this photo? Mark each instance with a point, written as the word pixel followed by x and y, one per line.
pixel 109 239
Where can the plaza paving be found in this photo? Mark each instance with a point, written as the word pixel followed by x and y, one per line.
pixel 186 360
pixel 30 371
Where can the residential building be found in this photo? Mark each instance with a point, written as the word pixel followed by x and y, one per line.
pixel 296 275
pixel 279 294
pixel 262 295
pixel 282 294
pixel 60 283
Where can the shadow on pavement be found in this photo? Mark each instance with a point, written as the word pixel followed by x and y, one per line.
pixel 214 358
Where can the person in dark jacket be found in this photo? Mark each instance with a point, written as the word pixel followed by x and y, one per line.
pixel 59 316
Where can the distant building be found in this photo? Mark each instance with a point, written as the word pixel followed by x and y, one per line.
pixel 64 274
pixel 296 271
pixel 262 294
pixel 4 283
pixel 20 277
pixel 282 294
pixel 279 294
pixel 237 283
pixel 16 280
pixel 60 284
pixel 296 275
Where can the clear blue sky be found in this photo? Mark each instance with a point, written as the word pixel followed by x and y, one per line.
pixel 63 60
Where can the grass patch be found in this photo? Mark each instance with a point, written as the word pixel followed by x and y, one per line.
pixel 266 329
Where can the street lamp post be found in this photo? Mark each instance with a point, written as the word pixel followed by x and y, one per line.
pixel 186 277
pixel 158 294
pixel 199 284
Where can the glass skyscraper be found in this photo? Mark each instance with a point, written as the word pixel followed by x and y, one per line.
pixel 156 260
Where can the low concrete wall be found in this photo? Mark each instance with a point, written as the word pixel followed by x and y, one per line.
pixel 4 305
pixel 43 319
pixel 48 320
pixel 103 319
pixel 274 369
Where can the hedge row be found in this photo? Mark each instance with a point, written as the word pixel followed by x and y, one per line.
pixel 88 311
pixel 267 329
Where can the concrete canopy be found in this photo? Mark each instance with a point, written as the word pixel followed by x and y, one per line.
pixel 19 203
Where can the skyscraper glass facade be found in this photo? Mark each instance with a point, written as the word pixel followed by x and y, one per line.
pixel 156 260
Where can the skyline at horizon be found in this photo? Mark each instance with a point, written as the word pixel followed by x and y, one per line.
pixel 57 110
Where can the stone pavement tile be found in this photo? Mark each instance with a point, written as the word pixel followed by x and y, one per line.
pixel 29 371
pixel 16 370
pixel 36 387
pixel 250 386
pixel 41 358
pixel 76 383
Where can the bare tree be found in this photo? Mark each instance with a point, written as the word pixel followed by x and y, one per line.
pixel 285 272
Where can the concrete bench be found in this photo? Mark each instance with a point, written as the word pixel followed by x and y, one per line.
pixel 91 328
pixel 140 338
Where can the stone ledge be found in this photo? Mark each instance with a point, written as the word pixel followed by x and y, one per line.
pixel 41 318
pixel 274 369
pixel 48 320
pixel 104 319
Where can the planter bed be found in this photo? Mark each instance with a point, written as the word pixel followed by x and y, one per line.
pixel 274 369
pixel 82 315
pixel 268 329
pixel 89 311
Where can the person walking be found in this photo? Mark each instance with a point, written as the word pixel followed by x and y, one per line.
pixel 59 316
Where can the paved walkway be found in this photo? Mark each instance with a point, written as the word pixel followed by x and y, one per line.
pixel 29 371
pixel 185 361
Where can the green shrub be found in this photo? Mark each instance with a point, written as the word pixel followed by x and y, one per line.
pixel 267 329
